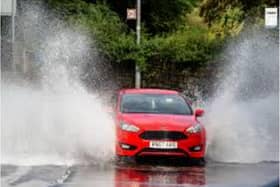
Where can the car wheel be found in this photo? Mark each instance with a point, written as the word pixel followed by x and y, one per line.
pixel 125 159
pixel 199 161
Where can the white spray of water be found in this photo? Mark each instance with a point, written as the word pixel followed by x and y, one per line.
pixel 58 122
pixel 242 119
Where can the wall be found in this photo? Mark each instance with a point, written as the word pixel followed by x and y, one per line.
pixel 194 82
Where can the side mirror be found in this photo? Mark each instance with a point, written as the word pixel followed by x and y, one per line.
pixel 198 112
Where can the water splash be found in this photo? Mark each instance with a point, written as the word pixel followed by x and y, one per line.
pixel 242 119
pixel 56 120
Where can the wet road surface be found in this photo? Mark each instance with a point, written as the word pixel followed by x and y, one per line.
pixel 144 175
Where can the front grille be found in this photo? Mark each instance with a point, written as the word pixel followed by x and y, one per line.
pixel 162 135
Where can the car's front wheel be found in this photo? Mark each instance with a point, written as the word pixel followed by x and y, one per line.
pixel 199 161
pixel 125 159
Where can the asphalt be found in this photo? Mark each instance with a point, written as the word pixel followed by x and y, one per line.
pixel 213 174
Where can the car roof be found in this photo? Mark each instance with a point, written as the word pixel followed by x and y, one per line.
pixel 147 91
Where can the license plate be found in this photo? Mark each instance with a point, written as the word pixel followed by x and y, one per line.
pixel 163 145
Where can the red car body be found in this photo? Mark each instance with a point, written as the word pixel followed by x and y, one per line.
pixel 158 134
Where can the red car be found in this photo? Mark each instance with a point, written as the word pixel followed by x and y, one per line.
pixel 156 122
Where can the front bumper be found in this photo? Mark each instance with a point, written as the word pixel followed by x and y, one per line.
pixel 140 147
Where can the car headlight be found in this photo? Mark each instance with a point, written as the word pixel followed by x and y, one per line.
pixel 194 129
pixel 128 127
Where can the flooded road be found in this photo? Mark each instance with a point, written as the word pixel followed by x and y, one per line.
pixel 213 174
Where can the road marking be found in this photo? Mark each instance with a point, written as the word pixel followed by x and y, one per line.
pixel 63 178
pixel 16 176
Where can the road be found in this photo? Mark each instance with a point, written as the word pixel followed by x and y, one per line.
pixel 144 175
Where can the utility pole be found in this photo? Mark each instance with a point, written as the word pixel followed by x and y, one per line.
pixel 8 8
pixel 138 33
pixel 13 34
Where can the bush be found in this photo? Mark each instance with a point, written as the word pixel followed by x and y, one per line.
pixel 189 44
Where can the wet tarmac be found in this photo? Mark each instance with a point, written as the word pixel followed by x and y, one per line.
pixel 143 175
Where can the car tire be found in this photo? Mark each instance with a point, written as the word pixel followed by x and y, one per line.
pixel 125 159
pixel 199 161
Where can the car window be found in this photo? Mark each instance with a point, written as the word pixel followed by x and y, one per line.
pixel 155 103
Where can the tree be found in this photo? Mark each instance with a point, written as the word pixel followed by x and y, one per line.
pixel 227 17
pixel 157 16
pixel 188 43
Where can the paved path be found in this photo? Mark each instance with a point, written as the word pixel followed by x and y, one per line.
pixel 212 175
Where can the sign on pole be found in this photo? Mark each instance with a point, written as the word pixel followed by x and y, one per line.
pixel 131 14
pixel 271 17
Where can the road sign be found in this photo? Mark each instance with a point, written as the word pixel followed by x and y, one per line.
pixel 271 17
pixel 131 14
pixel 8 7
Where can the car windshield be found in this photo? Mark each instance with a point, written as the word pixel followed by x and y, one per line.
pixel 155 103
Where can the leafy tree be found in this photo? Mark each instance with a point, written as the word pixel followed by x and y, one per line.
pixel 189 42
pixel 227 17
pixel 212 10
pixel 157 16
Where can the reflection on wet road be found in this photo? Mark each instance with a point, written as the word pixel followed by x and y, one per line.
pixel 213 174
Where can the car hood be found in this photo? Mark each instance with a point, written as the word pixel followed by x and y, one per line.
pixel 159 121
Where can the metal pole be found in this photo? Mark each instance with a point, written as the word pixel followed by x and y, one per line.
pixel 13 34
pixel 138 33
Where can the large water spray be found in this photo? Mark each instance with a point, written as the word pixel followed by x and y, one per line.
pixel 242 118
pixel 55 119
